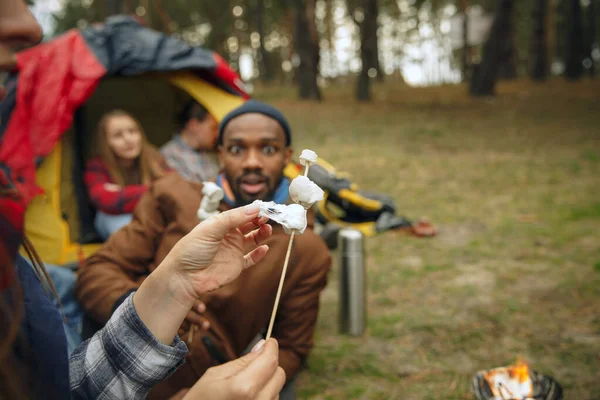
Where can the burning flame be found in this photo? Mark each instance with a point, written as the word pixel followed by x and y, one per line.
pixel 519 371
pixel 513 382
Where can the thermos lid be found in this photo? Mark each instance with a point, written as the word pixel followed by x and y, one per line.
pixel 350 241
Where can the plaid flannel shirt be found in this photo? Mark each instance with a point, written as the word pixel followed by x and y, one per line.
pixel 192 165
pixel 123 360
pixel 122 201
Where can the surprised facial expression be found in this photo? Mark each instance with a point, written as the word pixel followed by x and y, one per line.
pixel 253 154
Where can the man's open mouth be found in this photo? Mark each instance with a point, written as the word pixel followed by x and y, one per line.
pixel 253 184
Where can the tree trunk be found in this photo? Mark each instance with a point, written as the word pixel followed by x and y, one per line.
pixel 148 16
pixel 330 29
pixel 375 41
pixel 112 7
pixel 216 41
pixel 592 37
pixel 368 48
pixel 127 7
pixel 484 77
pixel 266 73
pixel 551 42
pixel 164 17
pixel 539 62
pixel 307 47
pixel 465 40
pixel 574 59
pixel 507 68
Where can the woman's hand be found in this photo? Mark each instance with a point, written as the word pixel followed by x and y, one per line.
pixel 210 256
pixel 213 254
pixel 256 375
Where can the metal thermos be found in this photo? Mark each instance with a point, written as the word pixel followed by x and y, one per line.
pixel 353 295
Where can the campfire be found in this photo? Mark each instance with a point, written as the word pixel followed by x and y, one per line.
pixel 513 382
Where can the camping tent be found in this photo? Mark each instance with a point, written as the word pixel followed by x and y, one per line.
pixel 58 93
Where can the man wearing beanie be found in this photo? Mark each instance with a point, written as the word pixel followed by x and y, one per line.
pixel 254 147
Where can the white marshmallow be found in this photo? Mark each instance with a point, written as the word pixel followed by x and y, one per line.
pixel 308 157
pixel 305 192
pixel 212 191
pixel 212 196
pixel 292 217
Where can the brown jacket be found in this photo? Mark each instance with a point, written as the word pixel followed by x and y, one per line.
pixel 237 312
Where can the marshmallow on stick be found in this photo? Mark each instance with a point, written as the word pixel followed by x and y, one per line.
pixel 212 196
pixel 302 190
pixel 305 192
pixel 308 158
pixel 293 217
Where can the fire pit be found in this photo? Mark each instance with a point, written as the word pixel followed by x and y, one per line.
pixel 515 382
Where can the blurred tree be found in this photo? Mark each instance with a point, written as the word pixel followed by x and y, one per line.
pixel 516 54
pixel 265 20
pixel 561 23
pixel 539 61
pixel 329 34
pixel 164 16
pixel 485 75
pixel 167 24
pixel 359 14
pixel 77 14
pixel 507 68
pixel 591 37
pixel 220 18
pixel 266 72
pixel 112 7
pixel 551 36
pixel 575 41
pixel 464 4
pixel 306 45
pixel 368 47
pixel 374 40
pixel 523 24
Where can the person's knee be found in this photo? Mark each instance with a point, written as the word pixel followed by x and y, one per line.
pixel 63 278
pixel 106 224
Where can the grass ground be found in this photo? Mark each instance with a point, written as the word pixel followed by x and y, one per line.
pixel 513 183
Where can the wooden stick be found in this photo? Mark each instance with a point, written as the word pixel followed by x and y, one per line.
pixel 306 169
pixel 502 386
pixel 191 335
pixel 283 273
pixel 285 265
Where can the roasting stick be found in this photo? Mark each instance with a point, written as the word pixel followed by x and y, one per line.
pixel 191 335
pixel 285 265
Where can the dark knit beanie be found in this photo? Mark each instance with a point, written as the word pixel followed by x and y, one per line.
pixel 253 106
